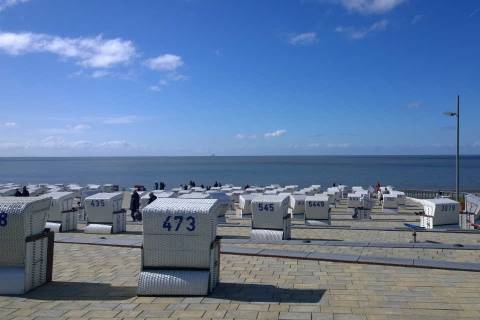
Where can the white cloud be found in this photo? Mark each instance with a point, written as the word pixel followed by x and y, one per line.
pixel 169 78
pixel 329 145
pixel 90 52
pixel 276 133
pixel 370 6
pixel 303 38
pixel 338 145
pixel 115 144
pixel 120 120
pixel 474 12
pixel 11 145
pixel 416 19
pixel 100 74
pixel 360 33
pixel 68 129
pixel 4 4
pixel 166 62
pixel 415 104
pixel 10 124
pixel 62 144
pixel 242 136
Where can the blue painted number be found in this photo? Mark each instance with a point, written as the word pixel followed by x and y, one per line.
pixel 167 223
pixel 97 203
pixel 3 219
pixel 265 207
pixel 179 220
pixel 191 226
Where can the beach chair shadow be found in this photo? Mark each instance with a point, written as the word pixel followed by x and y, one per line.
pixel 58 290
pixel 265 293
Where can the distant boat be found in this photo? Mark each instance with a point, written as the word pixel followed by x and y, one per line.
pixel 212 155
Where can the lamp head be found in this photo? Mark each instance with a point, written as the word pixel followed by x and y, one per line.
pixel 450 114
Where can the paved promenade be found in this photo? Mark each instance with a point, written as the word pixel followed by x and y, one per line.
pixel 93 282
pixel 95 276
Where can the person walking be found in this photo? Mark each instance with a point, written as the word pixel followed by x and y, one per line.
pixel 156 185
pixel 18 193
pixel 25 192
pixel 380 196
pixel 134 204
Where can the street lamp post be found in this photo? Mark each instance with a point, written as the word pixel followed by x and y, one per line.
pixel 457 115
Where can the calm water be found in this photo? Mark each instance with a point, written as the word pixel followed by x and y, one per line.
pixel 401 171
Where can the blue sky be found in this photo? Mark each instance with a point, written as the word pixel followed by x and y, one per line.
pixel 198 77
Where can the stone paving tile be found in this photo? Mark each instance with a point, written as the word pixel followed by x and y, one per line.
pixel 99 281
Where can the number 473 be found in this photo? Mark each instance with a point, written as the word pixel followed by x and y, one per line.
pixel 178 220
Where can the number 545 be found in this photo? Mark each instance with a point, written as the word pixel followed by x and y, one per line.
pixel 265 207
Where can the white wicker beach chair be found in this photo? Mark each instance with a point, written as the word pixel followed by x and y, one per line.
pixel 390 203
pixel 362 208
pixel 297 203
pixel 245 203
pixel 26 248
pixel 225 202
pixel 61 215
pixel 401 197
pixel 467 219
pixel 181 252
pixel 440 211
pixel 317 210
pixel 105 214
pixel 270 213
pixel 8 191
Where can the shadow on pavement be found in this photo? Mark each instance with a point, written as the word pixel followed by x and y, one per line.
pixel 57 290
pixel 265 293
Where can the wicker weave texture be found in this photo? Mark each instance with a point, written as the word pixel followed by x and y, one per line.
pixel 214 266
pixel 269 211
pixel 316 208
pixel 195 217
pixel 317 222
pixel 22 217
pixel 12 280
pixel 176 251
pixel 30 273
pixel 173 283
pixel 53 226
pixel 266 235
pixel 245 202
pixel 69 221
pixel 98 228
pixel 12 252
pixel 61 201
pixel 101 206
pixel 390 201
pixel 119 222
pixel 297 203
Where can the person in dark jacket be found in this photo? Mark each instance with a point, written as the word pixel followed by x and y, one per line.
pixel 162 185
pixel 25 192
pixel 134 204
pixel 156 185
pixel 18 193
pixel 152 197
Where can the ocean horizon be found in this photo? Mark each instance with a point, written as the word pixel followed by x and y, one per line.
pixel 401 171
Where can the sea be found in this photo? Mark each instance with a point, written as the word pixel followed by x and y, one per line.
pixel 407 172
